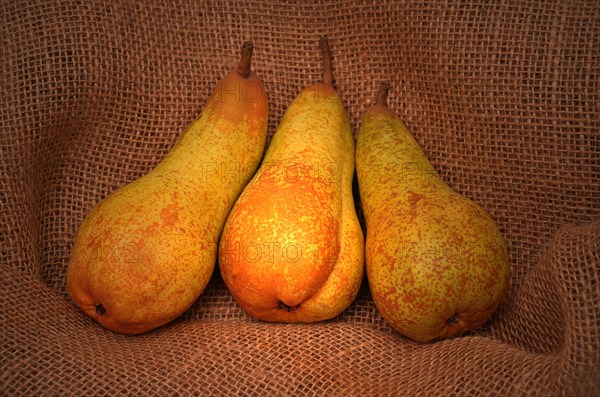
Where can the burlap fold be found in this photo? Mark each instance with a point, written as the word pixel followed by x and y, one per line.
pixel 502 97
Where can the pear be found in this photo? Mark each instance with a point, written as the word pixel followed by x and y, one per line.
pixel 292 248
pixel 144 254
pixel 436 262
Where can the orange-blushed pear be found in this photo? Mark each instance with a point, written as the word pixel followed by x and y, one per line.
pixel 292 247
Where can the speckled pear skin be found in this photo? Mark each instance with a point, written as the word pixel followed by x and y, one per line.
pixel 436 262
pixel 144 254
pixel 292 249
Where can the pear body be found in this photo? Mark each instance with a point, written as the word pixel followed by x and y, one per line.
pixel 144 254
pixel 292 247
pixel 436 262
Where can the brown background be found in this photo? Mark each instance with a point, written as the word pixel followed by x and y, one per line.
pixel 503 97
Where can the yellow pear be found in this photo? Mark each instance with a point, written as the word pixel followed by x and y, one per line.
pixel 292 247
pixel 436 262
pixel 144 254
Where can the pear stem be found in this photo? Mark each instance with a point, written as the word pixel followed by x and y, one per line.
pixel 246 59
pixel 326 53
pixel 384 88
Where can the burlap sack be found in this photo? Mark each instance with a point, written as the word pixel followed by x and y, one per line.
pixel 503 97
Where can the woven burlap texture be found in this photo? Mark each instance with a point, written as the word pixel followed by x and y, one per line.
pixel 502 96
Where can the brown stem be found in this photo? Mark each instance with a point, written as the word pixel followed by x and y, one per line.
pixel 384 88
pixel 244 65
pixel 326 52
